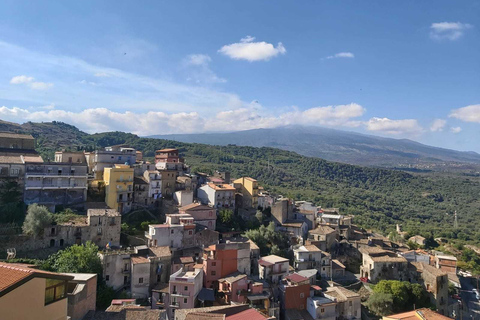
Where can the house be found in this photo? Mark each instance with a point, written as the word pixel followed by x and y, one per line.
pixel 217 195
pixel 321 308
pixel 272 268
pixel 338 269
pixel 100 159
pixel 154 180
pixel 311 257
pixel 323 237
pixel 226 312
pixel 418 314
pixel 294 291
pixel 297 228
pixel 183 197
pixel 169 159
pixel 70 157
pixel 417 256
pixel 55 183
pixel 119 187
pixel 282 210
pixel 379 264
pixel 10 140
pixel 348 302
pixel 202 214
pixel 140 277
pixel 446 263
pixel 234 288
pixel 168 182
pixel 221 260
pixel 418 240
pixel 45 292
pixel 82 294
pixel 126 309
pixel 184 287
pixel 435 281
pixel 248 188
pixel 140 193
pixel 310 274
pixel 309 213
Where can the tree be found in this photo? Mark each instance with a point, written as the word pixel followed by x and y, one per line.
pixel 380 303
pixel 404 294
pixel 37 219
pixel 11 204
pixel 76 259
pixel 226 216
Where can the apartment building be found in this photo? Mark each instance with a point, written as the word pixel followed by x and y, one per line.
pixel 294 292
pixel 217 195
pixel 379 264
pixel 184 287
pixel 348 302
pixel 70 157
pixel 100 159
pixel 323 237
pixel 311 257
pixel 169 159
pixel 55 183
pixel 202 214
pixel 119 187
pixel 248 189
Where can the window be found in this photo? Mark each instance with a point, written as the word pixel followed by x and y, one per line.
pixel 140 280
pixel 322 310
pixel 52 242
pixel 171 231
pixel 55 290
pixel 302 295
pixel 190 232
pixel 185 288
pixel 349 303
pixel 214 264
pixel 185 300
pixel 213 273
pixel 107 277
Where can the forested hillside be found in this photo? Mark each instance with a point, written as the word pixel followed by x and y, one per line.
pixel 379 198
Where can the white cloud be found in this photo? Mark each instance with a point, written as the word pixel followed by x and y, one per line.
pixel 249 50
pixel 397 127
pixel 468 114
pixel 448 30
pixel 455 129
pixel 29 81
pixel 102 75
pixel 438 125
pixel 342 55
pixel 199 71
pixel 198 59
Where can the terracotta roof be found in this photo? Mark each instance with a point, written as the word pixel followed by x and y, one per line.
pixel 337 264
pixel 139 259
pixel 126 313
pixel 221 187
pixel 253 245
pixel 272 259
pixel 322 230
pixel 234 277
pixel 422 267
pixel 36 159
pixel 204 316
pixel 293 223
pixel 389 259
pixel 160 251
pixel 311 247
pixel 250 314
pixel 195 206
pixel 341 293
pixel 295 277
pixel 11 159
pixel 15 135
pixel 167 150
pixel 12 275
pixel 419 314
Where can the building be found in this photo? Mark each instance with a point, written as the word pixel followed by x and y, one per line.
pixel 272 268
pixel 169 177
pixel 418 240
pixel 183 197
pixel 221 260
pixel 417 256
pixel 248 188
pixel 446 263
pixel 309 212
pixel 217 195
pixel 283 210
pixel 126 309
pixel 234 288
pixel 154 179
pixel 16 141
pixel 202 214
pixel 45 292
pixel 184 287
pixel 82 294
pixel 169 159
pixel 140 193
pixel 226 312
pixel 435 282
pixel 418 314
pixel 294 292
pixel 108 158
pixel 70 157
pixel 348 302
pixel 119 187
pixel 311 257
pixel 322 308
pixel 379 264
pixel 55 183
pixel 323 237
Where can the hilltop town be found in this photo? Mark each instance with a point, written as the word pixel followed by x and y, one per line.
pixel 173 243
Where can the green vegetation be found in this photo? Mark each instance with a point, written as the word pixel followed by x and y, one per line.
pixel 37 219
pixel 392 296
pixel 269 241
pixel 11 203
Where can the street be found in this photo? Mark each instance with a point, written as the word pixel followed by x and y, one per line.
pixel 470 304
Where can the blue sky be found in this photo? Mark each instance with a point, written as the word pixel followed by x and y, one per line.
pixel 403 69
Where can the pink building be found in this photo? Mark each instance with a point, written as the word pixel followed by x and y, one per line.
pixel 202 214
pixel 184 287
pixel 234 287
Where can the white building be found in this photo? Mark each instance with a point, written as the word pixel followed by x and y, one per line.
pixel 217 195
pixel 311 257
pixel 154 179
pixel 272 268
pixel 101 159
pixel 321 308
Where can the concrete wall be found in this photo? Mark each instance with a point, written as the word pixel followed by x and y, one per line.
pixel 117 267
pixel 140 271
pixel 84 300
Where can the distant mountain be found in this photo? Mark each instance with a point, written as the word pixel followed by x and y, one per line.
pixel 340 146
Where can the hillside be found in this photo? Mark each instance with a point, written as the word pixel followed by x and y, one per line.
pixel 379 198
pixel 341 146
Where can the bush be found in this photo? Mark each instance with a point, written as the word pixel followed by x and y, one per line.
pixel 37 219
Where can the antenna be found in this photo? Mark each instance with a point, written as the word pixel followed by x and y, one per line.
pixel 455 222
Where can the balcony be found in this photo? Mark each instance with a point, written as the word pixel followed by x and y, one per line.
pixel 125 271
pixel 147 235
pixel 174 304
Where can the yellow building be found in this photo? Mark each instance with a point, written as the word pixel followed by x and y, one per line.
pixel 248 187
pixel 27 293
pixel 119 187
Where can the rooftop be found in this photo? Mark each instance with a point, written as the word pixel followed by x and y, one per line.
pixel 293 223
pixel 221 187
pixel 341 294
pixel 419 314
pixel 272 259
pixel 234 277
pixel 103 212
pixel 167 150
pixel 322 230
pixel 295 277
pixel 160 251
pixel 15 135
pixel 194 207
pixel 308 273
pixel 250 314
pixel 139 259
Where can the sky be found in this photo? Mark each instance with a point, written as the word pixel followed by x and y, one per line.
pixel 401 69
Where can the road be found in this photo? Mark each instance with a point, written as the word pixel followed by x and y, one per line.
pixel 471 306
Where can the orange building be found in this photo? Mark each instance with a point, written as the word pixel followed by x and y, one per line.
pixel 294 292
pixel 219 261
